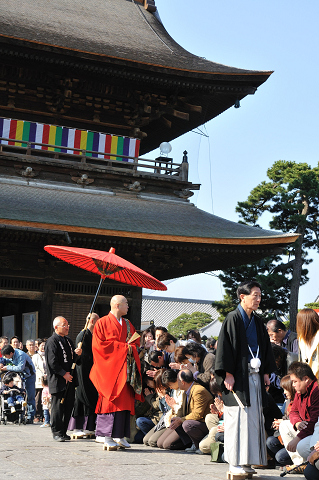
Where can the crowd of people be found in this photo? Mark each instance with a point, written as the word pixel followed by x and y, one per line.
pixel 250 399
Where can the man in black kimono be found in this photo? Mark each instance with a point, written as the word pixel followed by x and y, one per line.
pixel 60 356
pixel 83 416
pixel 244 360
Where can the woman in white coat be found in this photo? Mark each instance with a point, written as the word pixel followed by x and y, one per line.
pixel 308 337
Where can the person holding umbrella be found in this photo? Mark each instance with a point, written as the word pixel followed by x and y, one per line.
pixel 83 418
pixel 115 351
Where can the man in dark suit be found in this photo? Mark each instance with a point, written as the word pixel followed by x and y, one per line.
pixel 60 355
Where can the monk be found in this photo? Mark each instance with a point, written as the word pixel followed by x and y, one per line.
pixel 109 375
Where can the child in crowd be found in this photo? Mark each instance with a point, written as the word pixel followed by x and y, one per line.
pixel 46 401
pixel 13 393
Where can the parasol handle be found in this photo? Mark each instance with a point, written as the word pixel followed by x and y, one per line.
pixel 85 330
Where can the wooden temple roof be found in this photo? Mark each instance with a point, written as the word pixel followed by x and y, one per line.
pixel 109 65
pixel 161 224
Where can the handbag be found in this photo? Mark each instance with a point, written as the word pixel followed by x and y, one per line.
pixel 217 450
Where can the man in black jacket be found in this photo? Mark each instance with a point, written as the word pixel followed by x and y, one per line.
pixel 60 356
pixel 244 359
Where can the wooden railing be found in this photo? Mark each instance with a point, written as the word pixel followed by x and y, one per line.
pixel 158 167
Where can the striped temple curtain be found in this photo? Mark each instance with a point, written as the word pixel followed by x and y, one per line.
pixel 64 137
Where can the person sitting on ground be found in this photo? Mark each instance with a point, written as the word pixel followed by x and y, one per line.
pixel 279 335
pixel 213 418
pixel 168 343
pixel 200 363
pixel 312 469
pixel 158 332
pixel 158 360
pixel 274 443
pixel 147 345
pixel 180 358
pixel 296 433
pixel 210 345
pixel 19 362
pixel 188 429
pixel 13 394
pixel 153 397
pixel 275 377
pixel 166 381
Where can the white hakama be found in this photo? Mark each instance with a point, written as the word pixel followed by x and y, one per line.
pixel 245 438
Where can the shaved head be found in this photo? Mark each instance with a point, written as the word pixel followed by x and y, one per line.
pixel 117 299
pixel 57 321
pixel 119 306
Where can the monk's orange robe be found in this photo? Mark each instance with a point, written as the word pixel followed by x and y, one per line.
pixel 109 371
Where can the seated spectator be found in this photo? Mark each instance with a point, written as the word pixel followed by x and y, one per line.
pixel 213 418
pixel 201 363
pixel 158 360
pixel 166 380
pixel 210 345
pixel 180 358
pixel 13 394
pixel 18 361
pixel 168 343
pixel 158 332
pixel 296 433
pixel 147 344
pixel 312 469
pixel 271 412
pixel 152 397
pixel 274 442
pixel 279 335
pixel 188 429
pixel 275 377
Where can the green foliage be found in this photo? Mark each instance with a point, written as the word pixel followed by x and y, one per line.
pixel 292 197
pixel 185 322
pixel 228 304
pixel 314 305
pixel 275 284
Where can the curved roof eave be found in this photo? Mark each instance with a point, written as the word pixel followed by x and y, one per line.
pixel 106 29
pixel 43 205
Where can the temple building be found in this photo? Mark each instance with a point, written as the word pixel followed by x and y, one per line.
pixel 85 89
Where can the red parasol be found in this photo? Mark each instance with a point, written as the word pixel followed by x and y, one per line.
pixel 106 264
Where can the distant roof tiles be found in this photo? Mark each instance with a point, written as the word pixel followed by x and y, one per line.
pixel 164 310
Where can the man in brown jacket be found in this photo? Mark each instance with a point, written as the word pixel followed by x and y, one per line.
pixel 188 428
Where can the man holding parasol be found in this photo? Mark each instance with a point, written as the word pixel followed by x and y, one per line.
pixel 115 374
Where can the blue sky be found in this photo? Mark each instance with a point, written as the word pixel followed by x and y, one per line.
pixel 279 122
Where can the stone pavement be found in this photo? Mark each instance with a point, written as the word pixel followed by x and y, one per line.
pixel 28 452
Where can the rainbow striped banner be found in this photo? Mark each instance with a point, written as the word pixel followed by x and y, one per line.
pixel 64 138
